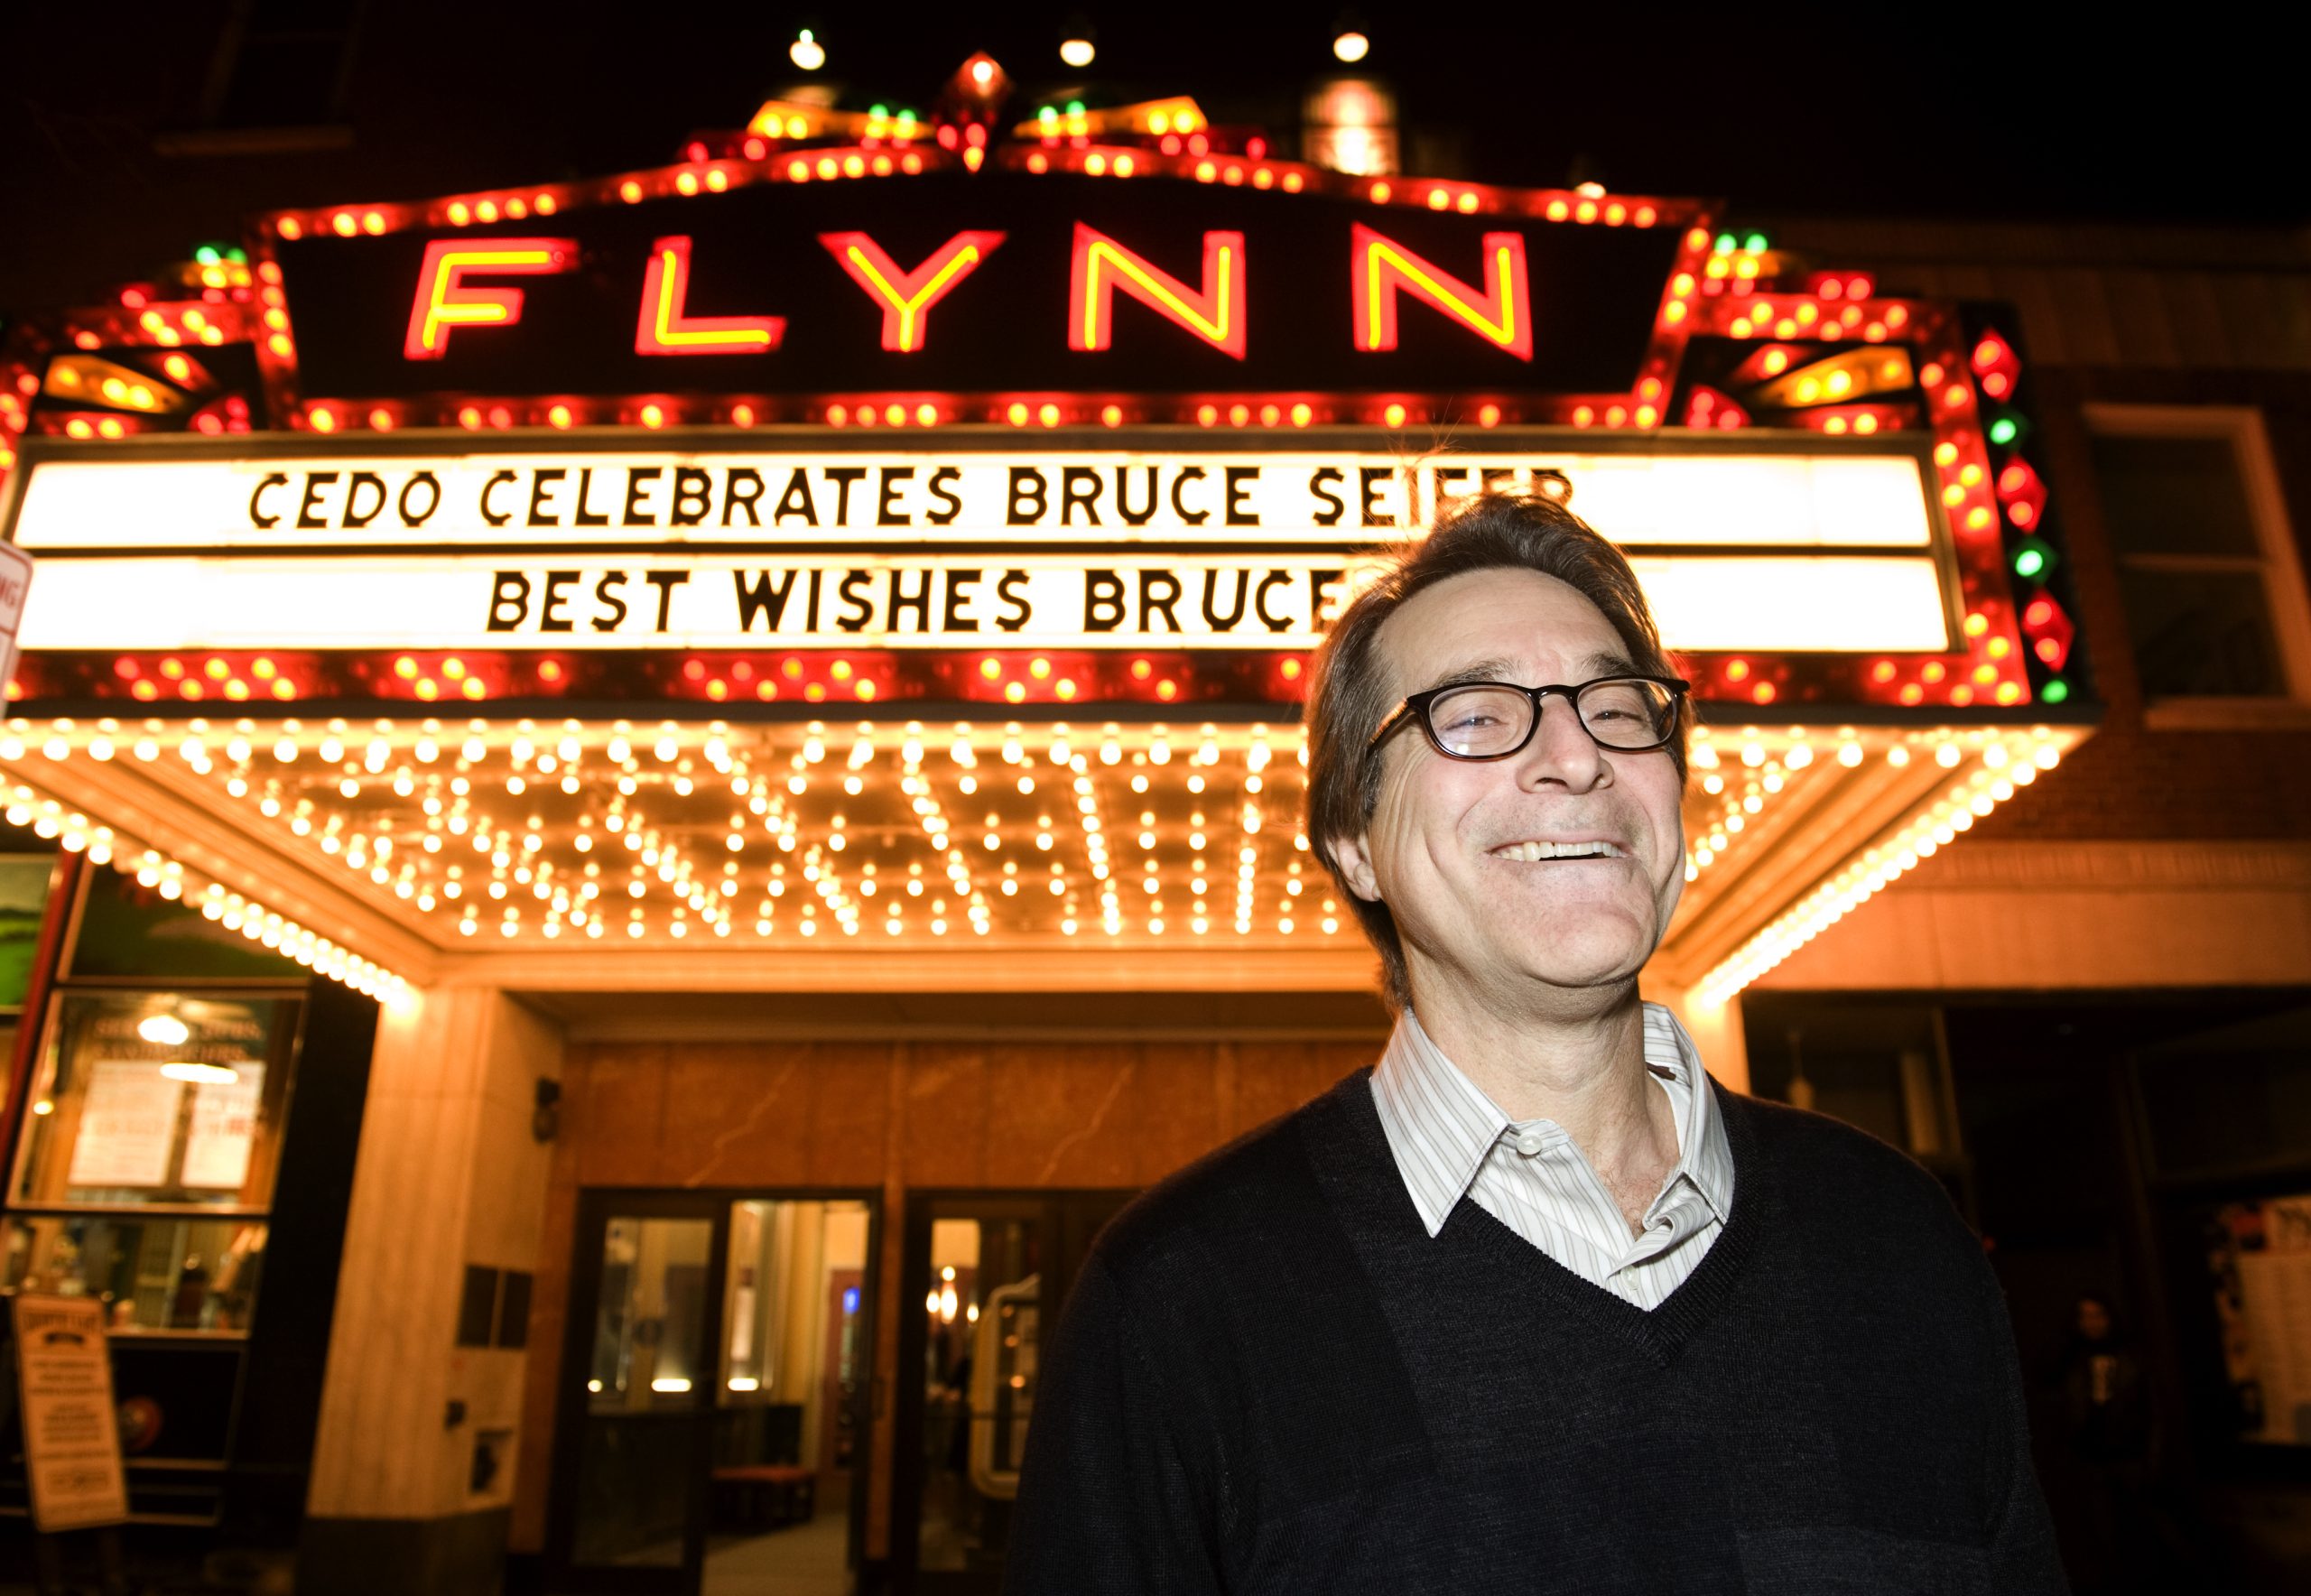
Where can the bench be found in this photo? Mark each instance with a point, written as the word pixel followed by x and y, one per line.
pixel 764 1496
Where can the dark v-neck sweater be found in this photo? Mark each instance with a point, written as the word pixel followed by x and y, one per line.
pixel 1272 1379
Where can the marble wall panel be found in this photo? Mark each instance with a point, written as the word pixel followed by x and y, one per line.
pixel 1173 1108
pixel 943 1102
pixel 1273 1077
pixel 737 1113
pixel 1060 1116
pixel 611 1108
pixel 851 1115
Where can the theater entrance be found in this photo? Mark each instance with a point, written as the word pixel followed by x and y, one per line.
pixel 716 1395
pixel 986 1275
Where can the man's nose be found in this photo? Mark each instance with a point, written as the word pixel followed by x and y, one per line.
pixel 1561 751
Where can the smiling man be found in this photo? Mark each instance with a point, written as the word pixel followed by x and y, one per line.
pixel 1533 1305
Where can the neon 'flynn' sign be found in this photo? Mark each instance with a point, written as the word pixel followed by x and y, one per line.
pixel 1213 308
pixel 1007 281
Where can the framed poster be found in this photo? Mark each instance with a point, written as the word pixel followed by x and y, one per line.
pixel 224 1127
pixel 129 1125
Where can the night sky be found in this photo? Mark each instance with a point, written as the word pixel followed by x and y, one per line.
pixel 1971 111
pixel 1978 109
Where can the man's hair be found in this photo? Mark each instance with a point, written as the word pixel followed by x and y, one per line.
pixel 1349 694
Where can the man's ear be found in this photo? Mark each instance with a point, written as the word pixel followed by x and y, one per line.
pixel 1356 864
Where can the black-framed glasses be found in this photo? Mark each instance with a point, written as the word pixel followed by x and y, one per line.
pixel 1493 719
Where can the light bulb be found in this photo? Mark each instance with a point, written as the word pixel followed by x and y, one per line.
pixel 165 1030
pixel 807 52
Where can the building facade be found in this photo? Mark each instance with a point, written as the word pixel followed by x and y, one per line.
pixel 671 785
pixel 2112 969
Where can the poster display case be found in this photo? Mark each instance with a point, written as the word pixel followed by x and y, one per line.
pixel 151 1104
pixel 143 1182
pixel 146 1170
pixel 163 1100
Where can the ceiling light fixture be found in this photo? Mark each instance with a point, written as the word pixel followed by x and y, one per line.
pixel 165 1030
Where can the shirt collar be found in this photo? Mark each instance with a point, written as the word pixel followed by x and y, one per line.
pixel 1704 1156
pixel 1442 1128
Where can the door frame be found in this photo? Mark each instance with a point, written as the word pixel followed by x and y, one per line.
pixel 1071 1217
pixel 596 1205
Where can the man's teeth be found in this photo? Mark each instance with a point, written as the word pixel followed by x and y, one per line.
pixel 1531 852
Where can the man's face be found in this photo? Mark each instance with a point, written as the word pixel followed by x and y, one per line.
pixel 1483 925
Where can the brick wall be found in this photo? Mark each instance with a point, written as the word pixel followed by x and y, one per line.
pixel 2129 781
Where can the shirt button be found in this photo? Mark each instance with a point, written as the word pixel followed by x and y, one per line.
pixel 1529 1143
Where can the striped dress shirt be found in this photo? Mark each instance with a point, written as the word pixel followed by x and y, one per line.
pixel 1450 1140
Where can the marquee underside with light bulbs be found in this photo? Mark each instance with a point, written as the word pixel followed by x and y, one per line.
pixel 914 530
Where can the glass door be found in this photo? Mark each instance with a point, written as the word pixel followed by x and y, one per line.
pixel 788 1486
pixel 985 1278
pixel 713 1415
pixel 636 1432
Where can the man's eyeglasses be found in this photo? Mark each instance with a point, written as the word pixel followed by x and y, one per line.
pixel 1493 719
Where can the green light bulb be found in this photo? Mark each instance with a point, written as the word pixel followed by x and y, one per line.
pixel 2004 431
pixel 1076 107
pixel 207 255
pixel 2054 692
pixel 1724 245
pixel 879 110
pixel 1755 243
pixel 2029 563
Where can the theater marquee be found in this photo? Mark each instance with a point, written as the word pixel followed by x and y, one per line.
pixel 843 409
pixel 921 531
